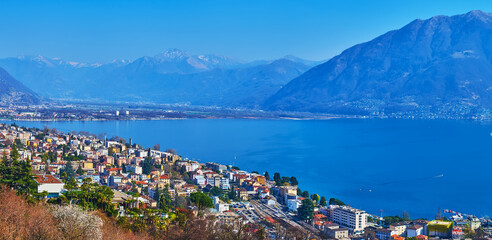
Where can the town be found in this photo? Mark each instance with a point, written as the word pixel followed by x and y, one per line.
pixel 133 184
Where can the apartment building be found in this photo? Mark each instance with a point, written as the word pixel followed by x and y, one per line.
pixel 353 219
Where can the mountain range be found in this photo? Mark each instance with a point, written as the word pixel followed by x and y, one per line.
pixel 173 76
pixel 439 64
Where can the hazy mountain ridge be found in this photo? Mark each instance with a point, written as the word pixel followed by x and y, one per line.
pixel 173 76
pixel 14 92
pixel 438 62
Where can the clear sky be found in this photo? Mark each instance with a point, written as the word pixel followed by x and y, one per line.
pixel 102 30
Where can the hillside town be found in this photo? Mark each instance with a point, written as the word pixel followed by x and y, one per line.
pixel 139 181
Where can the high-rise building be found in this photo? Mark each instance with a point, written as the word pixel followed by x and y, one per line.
pixel 353 219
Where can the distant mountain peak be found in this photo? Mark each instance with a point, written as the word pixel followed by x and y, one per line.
pixel 480 15
pixel 173 54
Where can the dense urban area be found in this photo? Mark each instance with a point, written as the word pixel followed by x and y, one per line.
pixel 79 185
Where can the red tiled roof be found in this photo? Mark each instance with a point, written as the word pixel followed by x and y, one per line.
pixel 46 178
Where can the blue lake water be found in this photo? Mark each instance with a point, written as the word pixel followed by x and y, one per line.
pixel 372 164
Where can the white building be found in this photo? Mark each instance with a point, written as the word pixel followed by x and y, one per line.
pixel 351 218
pixel 224 183
pixel 134 169
pixel 220 207
pixel 293 204
pixel 200 180
pixel 415 230
pixel 385 233
pixel 49 184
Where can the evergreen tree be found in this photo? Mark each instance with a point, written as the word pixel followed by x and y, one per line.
pixel 69 170
pixel 305 194
pixel 72 184
pixel 315 197
pixel 157 195
pixel 14 154
pixel 267 176
pixel 322 201
pixel 80 171
pixel 276 177
pixel 306 210
pixel 293 181
pixel 147 166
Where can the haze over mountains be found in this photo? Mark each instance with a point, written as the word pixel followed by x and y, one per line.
pixel 438 65
pixel 171 77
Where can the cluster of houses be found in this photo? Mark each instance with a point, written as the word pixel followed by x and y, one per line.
pixel 118 165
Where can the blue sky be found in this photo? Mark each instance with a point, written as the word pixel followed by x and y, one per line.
pixel 99 31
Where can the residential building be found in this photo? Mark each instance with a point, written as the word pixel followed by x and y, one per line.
pixel 293 204
pixel 440 228
pixel 415 230
pixel 353 219
pixel 50 184
pixel 385 233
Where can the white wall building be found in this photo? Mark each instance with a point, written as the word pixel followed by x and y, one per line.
pixel 49 184
pixel 293 204
pixel 415 230
pixel 351 218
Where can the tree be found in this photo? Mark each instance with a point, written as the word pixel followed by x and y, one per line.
pixel 147 165
pixel 157 195
pixel 299 191
pixel 201 200
pixel 157 147
pixel 17 175
pixel 72 184
pixel 233 195
pixel 75 223
pixel 334 201
pixel 276 177
pixel 322 201
pixel 14 154
pixel 315 197
pixel 305 194
pixel 63 176
pixel 306 210
pixel 293 181
pixel 215 191
pixel 69 170
pixel 80 171
pixel 267 176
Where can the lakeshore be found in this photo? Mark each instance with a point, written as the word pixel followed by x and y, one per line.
pixel 371 163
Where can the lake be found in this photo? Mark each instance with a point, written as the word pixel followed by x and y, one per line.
pixel 371 164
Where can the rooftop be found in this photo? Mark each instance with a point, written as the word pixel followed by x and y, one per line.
pixel 46 179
